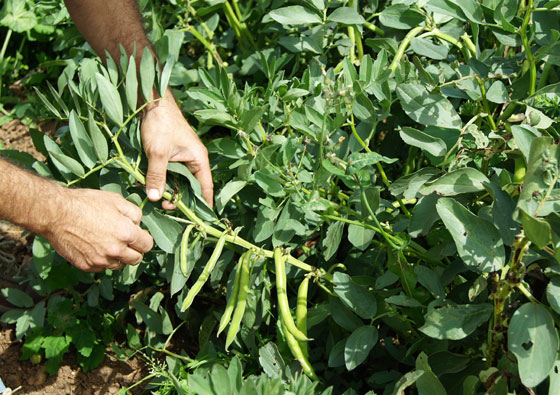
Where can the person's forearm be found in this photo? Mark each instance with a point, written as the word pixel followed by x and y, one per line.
pixel 108 24
pixel 28 200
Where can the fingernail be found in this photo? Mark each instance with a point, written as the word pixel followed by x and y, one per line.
pixel 153 194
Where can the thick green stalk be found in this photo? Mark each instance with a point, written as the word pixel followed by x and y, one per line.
pixel 373 28
pixel 469 44
pixel 209 230
pixel 404 45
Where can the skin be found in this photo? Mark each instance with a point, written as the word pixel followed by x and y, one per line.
pixel 97 230
pixel 166 135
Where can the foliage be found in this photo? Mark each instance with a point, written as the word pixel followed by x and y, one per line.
pixel 400 156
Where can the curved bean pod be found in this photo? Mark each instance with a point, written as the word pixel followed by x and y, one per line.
pixel 283 305
pixel 241 298
pixel 295 348
pixel 232 301
pixel 205 273
pixel 185 249
pixel 301 312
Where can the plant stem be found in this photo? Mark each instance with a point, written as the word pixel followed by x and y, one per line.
pixel 469 44
pixel 379 166
pixel 527 47
pixel 485 104
pixel 404 45
pixel 208 45
pixel 544 75
pixel 2 53
pixel 374 28
pixel 511 276
pixel 93 170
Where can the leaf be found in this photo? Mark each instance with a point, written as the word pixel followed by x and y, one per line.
pixel 250 118
pixel 358 345
pixel 343 316
pixel 416 138
pixel 62 162
pixel 165 231
pixel 152 319
pixel 271 361
pixel 478 242
pixel 497 93
pixel 455 322
pixel 294 15
pixel 541 167
pixel 131 84
pixel 471 8
pixel 426 108
pixel 269 184
pixel 359 160
pixel 55 345
pixel 166 74
pixel 110 99
pixel 428 383
pixel 17 18
pixel 147 74
pixel 553 293
pixel 463 180
pixel 358 298
pixel 400 16
pixel 502 213
pixel 359 236
pixel 533 340
pixel 425 47
pixel 430 280
pixel 98 139
pixel 229 190
pixel 81 140
pixel 17 297
pixel 332 239
pixel 537 230
pixel 346 16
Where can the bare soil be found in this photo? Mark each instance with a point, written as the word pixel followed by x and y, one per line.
pixel 27 378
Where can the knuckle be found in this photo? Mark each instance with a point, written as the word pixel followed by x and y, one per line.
pixel 113 251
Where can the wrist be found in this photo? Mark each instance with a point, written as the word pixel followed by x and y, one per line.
pixel 46 213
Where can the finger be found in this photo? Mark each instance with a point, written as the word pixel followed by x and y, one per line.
pixel 142 241
pixel 130 257
pixel 167 205
pixel 155 179
pixel 204 176
pixel 131 211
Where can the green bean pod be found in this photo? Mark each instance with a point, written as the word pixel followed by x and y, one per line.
pixel 205 273
pixel 232 301
pixel 245 270
pixel 283 305
pixel 185 249
pixel 297 352
pixel 301 312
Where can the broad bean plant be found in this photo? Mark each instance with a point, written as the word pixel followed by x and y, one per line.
pixel 386 208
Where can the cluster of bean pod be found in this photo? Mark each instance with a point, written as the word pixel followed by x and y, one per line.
pixel 294 331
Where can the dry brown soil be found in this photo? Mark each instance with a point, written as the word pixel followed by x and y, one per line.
pixel 32 379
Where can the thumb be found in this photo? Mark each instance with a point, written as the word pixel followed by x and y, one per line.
pixel 155 179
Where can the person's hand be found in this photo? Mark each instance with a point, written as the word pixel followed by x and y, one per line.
pixel 97 230
pixel 167 136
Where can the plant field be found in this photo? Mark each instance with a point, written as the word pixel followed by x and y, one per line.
pixel 387 199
